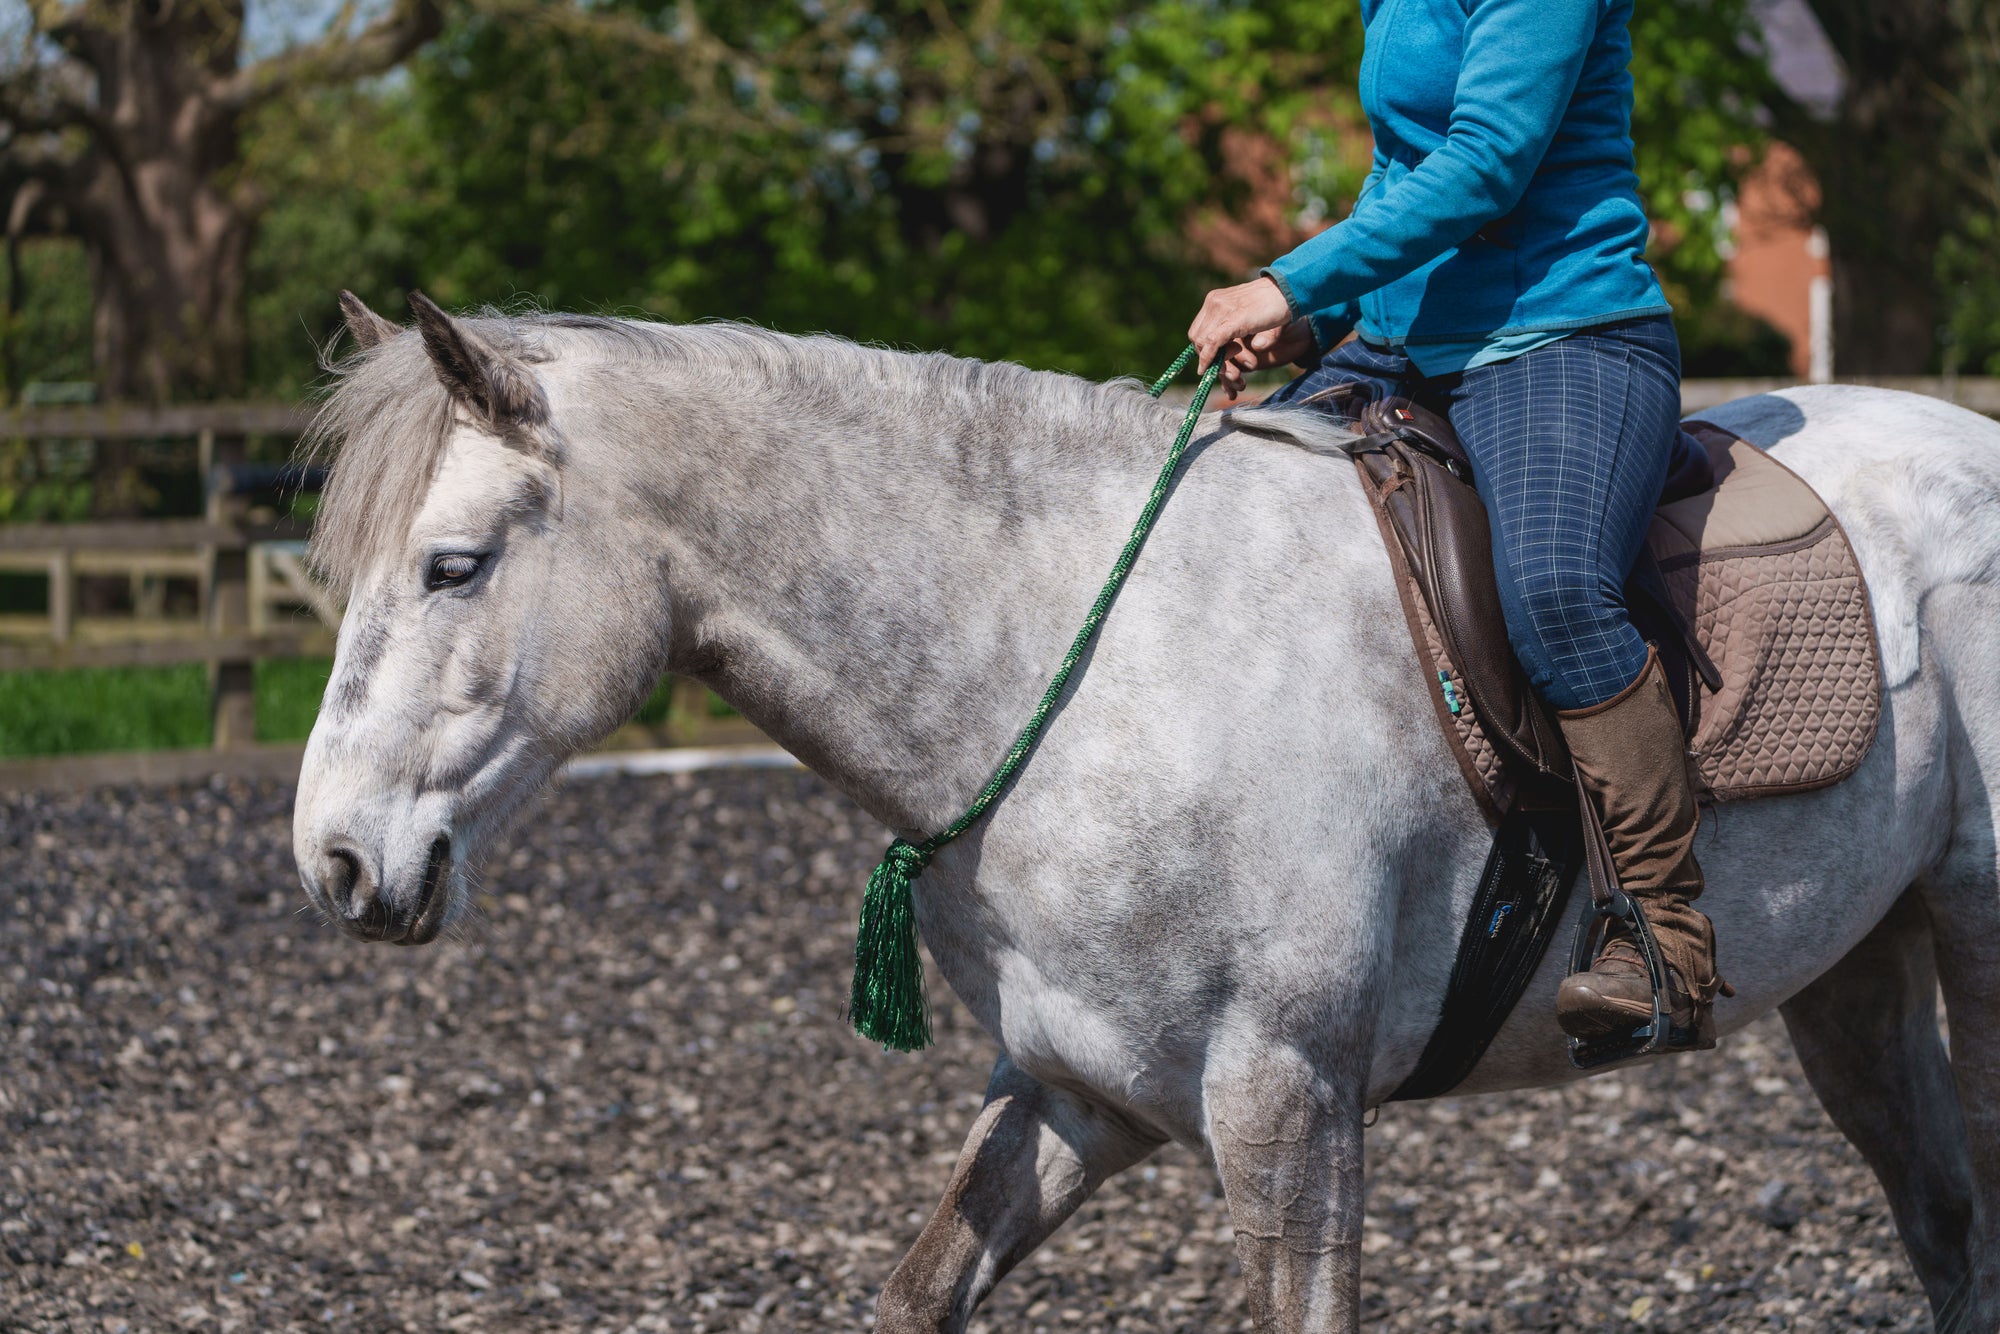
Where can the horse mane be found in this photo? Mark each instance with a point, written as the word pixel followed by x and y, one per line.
pixel 382 427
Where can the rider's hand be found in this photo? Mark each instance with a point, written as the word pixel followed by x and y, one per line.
pixel 1233 313
pixel 1281 346
pixel 1230 318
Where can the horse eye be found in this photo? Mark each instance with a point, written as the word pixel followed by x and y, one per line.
pixel 451 571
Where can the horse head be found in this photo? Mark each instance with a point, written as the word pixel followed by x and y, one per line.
pixel 502 614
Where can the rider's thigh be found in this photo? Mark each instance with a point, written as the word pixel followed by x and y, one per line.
pixel 1570 445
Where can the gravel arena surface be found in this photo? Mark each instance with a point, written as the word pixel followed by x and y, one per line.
pixel 623 1099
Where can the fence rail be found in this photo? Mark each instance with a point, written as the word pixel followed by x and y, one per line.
pixel 115 421
pixel 165 652
pixel 143 535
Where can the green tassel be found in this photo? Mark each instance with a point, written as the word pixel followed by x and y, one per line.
pixel 887 1003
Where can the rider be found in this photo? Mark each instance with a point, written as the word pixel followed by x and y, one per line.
pixel 1493 270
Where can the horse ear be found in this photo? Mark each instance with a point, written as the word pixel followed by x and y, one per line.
pixel 367 327
pixel 496 387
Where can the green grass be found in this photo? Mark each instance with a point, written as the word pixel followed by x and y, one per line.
pixel 146 708
pixel 165 708
pixel 288 693
pixel 654 711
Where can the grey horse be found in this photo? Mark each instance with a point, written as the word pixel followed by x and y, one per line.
pixel 1220 904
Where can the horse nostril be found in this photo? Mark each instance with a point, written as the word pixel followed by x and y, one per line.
pixel 373 919
pixel 342 876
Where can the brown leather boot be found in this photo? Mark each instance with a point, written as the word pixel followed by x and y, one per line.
pixel 1632 758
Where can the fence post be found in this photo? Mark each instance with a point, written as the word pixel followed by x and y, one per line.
pixel 62 597
pixel 232 681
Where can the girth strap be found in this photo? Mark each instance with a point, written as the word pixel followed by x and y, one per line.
pixel 1522 895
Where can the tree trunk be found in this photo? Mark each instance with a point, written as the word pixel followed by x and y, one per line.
pixel 1887 202
pixel 169 272
pixel 168 226
pixel 1885 315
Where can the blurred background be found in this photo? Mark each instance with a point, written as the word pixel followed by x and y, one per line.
pixel 1056 182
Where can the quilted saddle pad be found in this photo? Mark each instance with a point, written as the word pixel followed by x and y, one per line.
pixel 1764 576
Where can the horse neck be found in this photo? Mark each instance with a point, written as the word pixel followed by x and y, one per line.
pixel 882 576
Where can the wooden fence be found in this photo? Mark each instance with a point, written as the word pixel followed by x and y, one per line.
pixel 243 569
pixel 256 599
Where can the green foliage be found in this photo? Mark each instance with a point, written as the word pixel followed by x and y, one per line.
pixel 1005 181
pixel 1969 257
pixel 1029 181
pixel 45 481
pixel 47 337
pixel 335 165
pixel 1698 80
pixel 1970 279
pixel 658 706
pixel 1038 180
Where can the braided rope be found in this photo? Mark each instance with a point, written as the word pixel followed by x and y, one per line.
pixel 887 1003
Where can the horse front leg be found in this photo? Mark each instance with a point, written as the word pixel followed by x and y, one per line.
pixel 1034 1155
pixel 1288 1145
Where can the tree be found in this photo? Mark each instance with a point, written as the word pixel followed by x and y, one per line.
pixel 1012 180
pixel 1968 275
pixel 123 124
pixel 1896 166
pixel 1050 181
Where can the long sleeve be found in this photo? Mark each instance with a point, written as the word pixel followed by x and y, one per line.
pixel 1521 63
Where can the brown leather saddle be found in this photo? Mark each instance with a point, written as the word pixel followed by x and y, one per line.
pixel 1761 533
pixel 1420 479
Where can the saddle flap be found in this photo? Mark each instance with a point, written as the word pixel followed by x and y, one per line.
pixel 1425 497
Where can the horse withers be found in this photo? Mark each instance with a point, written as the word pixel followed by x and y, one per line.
pixel 1220 904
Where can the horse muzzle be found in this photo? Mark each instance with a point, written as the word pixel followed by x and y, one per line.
pixel 345 883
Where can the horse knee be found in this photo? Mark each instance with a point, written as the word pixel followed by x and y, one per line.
pixel 1033 1155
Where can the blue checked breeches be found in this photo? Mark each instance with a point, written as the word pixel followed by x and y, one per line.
pixel 1570 445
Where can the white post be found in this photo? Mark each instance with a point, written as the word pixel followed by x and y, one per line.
pixel 1819 297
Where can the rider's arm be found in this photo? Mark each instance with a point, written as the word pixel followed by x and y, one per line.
pixel 1522 59
pixel 1334 323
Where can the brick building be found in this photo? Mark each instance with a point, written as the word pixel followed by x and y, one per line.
pixel 1779 267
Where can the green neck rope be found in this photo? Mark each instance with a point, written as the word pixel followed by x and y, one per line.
pixel 887 1003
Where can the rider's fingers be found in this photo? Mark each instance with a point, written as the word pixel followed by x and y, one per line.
pixel 1216 328
pixel 1205 345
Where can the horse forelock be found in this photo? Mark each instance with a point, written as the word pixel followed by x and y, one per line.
pixel 380 433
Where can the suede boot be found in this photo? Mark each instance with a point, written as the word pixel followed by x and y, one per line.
pixel 1632 758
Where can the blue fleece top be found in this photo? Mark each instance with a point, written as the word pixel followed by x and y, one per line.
pixel 1504 199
